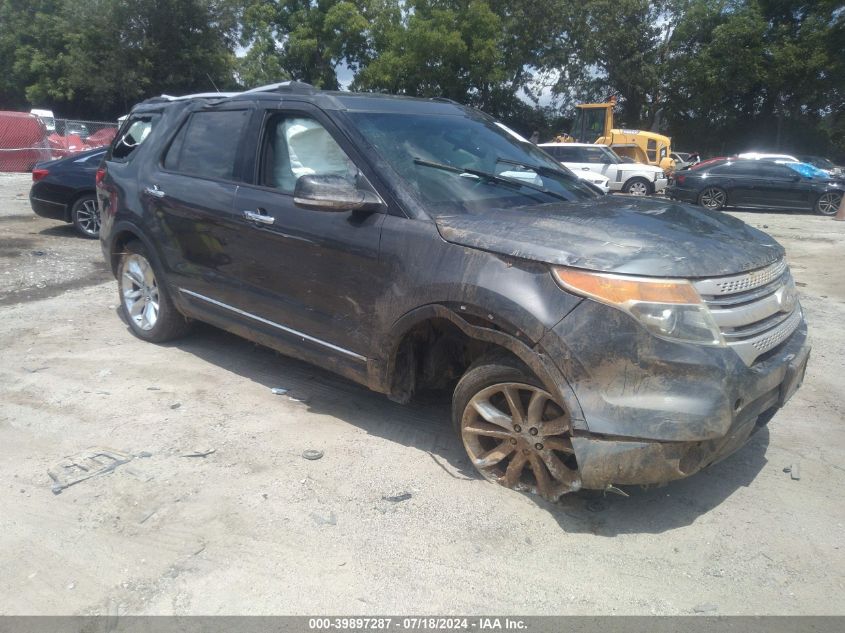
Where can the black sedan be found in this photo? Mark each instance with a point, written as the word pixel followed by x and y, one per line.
pixel 758 184
pixel 64 190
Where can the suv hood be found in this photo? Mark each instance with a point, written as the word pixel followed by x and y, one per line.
pixel 648 237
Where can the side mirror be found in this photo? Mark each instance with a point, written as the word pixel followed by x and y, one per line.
pixel 333 193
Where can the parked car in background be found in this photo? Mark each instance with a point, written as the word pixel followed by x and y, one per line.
pixel 64 190
pixel 413 244
pixel 823 163
pixel 23 141
pixel 101 137
pixel 61 146
pixel 597 180
pixel 75 128
pixel 684 160
pixel 779 158
pixel 758 183
pixel 707 162
pixel 626 177
pixel 46 117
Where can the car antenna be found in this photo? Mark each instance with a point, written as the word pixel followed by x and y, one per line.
pixel 212 82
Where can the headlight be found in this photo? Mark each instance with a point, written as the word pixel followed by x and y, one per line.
pixel 668 308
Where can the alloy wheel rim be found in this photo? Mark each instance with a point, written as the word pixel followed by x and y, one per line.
pixel 713 199
pixel 516 435
pixel 88 217
pixel 139 290
pixel 829 203
pixel 638 189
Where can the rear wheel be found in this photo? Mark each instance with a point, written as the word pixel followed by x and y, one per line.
pixel 637 187
pixel 144 298
pixel 86 216
pixel 713 198
pixel 828 203
pixel 513 430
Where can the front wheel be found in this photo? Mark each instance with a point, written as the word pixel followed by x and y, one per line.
pixel 828 203
pixel 713 198
pixel 86 217
pixel 513 430
pixel 637 187
pixel 144 298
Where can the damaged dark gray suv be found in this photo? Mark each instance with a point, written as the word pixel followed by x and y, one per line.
pixel 589 341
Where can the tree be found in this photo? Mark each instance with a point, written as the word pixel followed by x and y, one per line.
pixel 758 73
pixel 302 39
pixel 31 47
pixel 445 49
pixel 100 57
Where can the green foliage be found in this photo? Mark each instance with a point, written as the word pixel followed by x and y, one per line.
pixel 766 74
pixel 448 49
pixel 718 75
pixel 100 57
pixel 301 39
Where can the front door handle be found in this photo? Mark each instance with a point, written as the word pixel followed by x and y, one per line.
pixel 154 191
pixel 260 218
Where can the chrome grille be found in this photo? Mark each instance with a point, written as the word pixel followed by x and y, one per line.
pixel 737 283
pixel 755 311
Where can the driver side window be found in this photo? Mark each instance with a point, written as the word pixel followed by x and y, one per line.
pixel 297 145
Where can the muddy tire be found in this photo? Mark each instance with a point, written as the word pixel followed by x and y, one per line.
pixel 86 216
pixel 144 298
pixel 828 203
pixel 515 434
pixel 638 187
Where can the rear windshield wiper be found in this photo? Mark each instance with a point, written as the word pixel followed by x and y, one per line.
pixel 485 175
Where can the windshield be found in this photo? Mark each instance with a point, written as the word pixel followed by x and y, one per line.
pixel 467 163
pixel 612 157
pixel 588 125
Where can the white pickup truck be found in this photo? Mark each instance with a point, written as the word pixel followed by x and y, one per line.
pixel 633 178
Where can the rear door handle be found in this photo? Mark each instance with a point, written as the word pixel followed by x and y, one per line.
pixel 258 217
pixel 154 191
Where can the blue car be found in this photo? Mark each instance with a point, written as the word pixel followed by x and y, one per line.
pixel 64 189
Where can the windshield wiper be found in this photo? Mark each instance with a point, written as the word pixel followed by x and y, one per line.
pixel 539 168
pixel 490 177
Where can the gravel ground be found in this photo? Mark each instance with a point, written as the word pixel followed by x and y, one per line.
pixel 253 528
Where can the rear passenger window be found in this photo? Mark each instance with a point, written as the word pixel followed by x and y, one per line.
pixel 207 144
pixel 594 155
pixel 777 171
pixel 737 169
pixel 132 135
pixel 568 154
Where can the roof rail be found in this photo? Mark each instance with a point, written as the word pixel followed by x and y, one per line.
pixel 296 87
pixel 285 86
pixel 199 95
pixel 444 100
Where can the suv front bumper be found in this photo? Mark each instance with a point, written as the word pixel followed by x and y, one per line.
pixel 653 410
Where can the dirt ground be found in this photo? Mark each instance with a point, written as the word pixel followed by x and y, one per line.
pixel 253 528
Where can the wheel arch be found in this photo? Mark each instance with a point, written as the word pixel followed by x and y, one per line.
pixel 419 337
pixel 121 235
pixel 722 188
pixel 638 176
pixel 77 195
pixel 834 190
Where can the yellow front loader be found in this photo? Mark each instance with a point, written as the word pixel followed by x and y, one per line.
pixel 594 124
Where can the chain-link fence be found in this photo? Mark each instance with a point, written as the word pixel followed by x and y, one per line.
pixel 26 139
